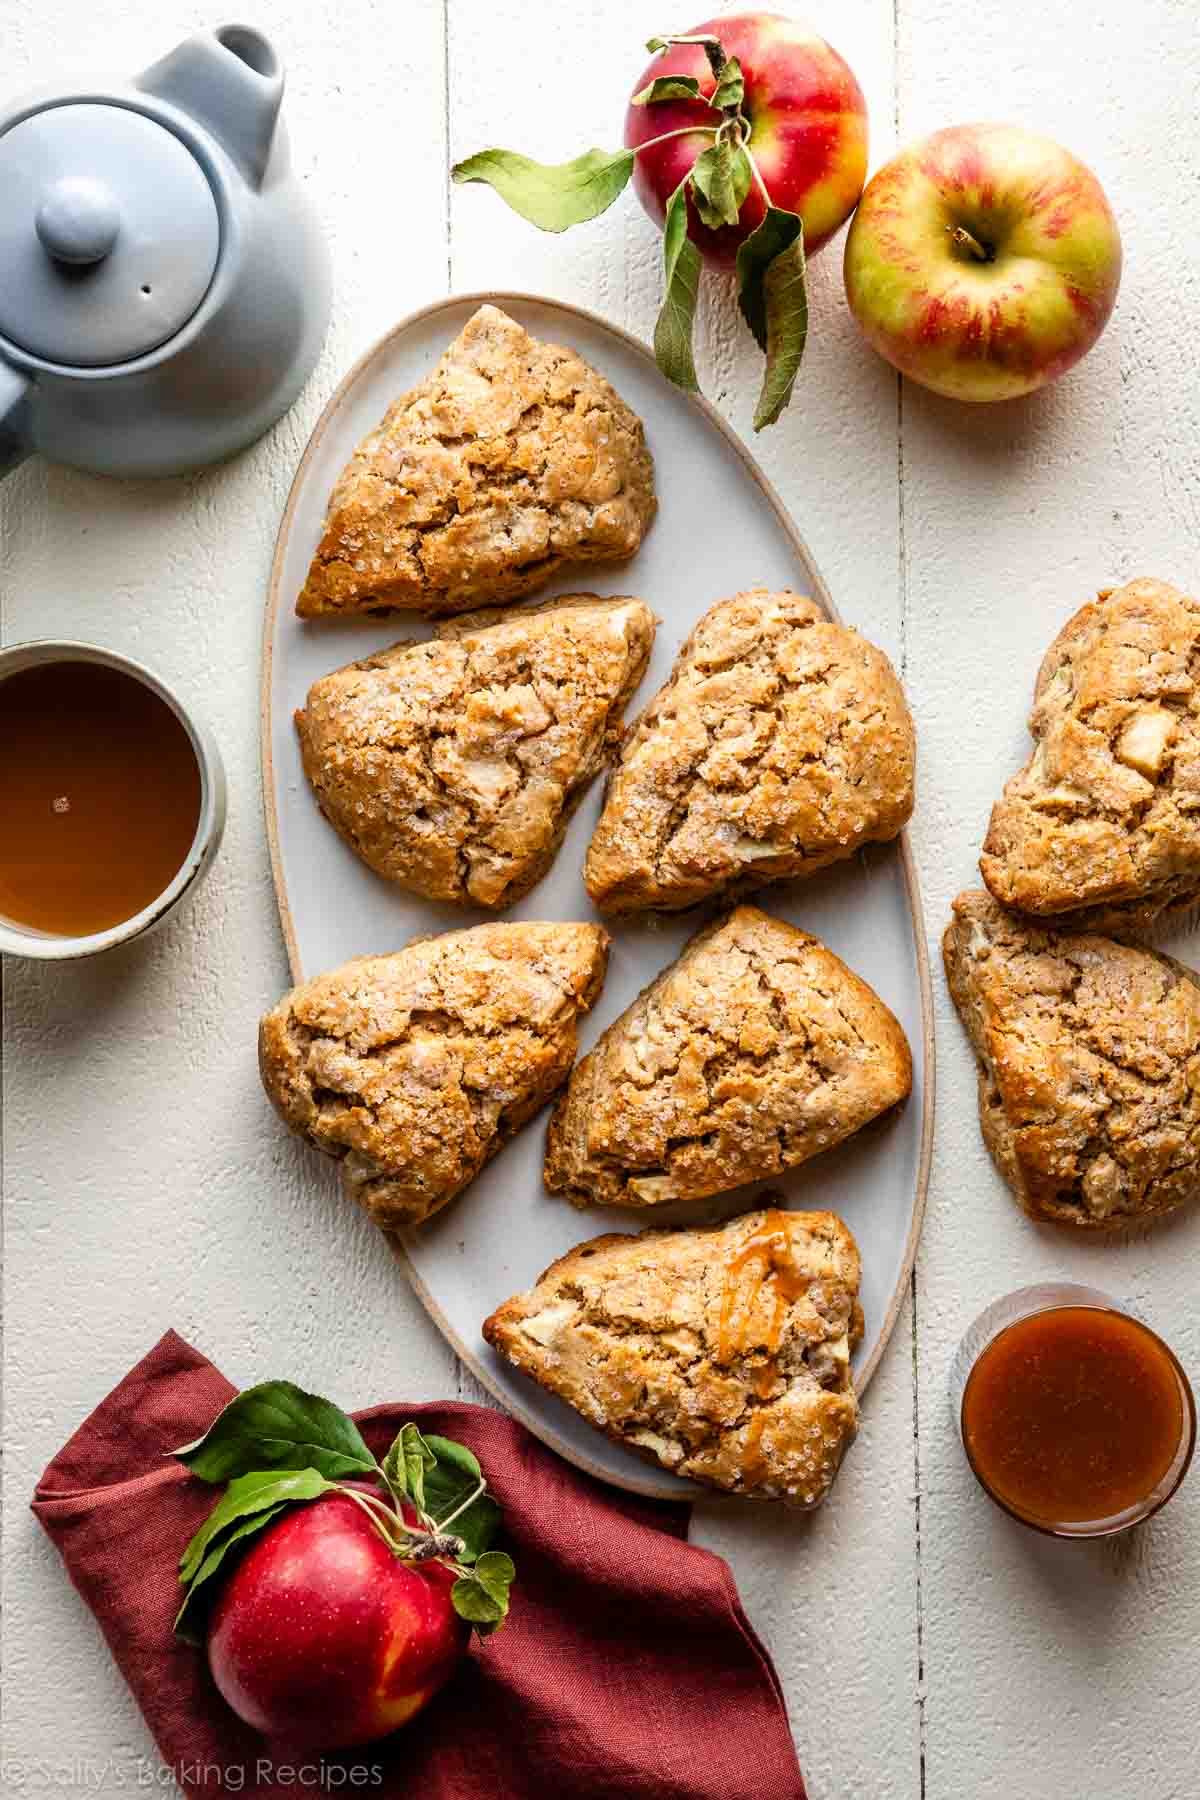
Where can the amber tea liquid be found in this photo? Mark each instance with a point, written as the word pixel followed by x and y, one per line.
pixel 99 797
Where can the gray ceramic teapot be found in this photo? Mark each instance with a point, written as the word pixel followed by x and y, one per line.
pixel 164 287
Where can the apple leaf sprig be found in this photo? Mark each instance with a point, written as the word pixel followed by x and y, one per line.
pixel 276 1446
pixel 772 290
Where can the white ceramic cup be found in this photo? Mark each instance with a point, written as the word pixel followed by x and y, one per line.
pixel 22 940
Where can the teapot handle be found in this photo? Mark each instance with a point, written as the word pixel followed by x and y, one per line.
pixel 15 440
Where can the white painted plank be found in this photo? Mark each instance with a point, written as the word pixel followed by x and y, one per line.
pixel 835 1596
pixel 146 1183
pixel 1051 1669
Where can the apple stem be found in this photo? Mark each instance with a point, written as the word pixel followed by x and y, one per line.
pixel 443 1524
pixel 447 1547
pixel 757 174
pixel 963 240
pixel 374 1509
pixel 684 131
pixel 710 45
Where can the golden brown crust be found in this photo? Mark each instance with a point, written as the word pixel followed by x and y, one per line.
pixel 1089 1066
pixel 452 766
pixel 757 1049
pixel 781 743
pixel 721 1353
pixel 1101 828
pixel 513 459
pixel 413 1069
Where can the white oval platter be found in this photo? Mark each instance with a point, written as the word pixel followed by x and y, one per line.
pixel 498 1236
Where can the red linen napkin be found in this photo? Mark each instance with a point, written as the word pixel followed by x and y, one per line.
pixel 627 1669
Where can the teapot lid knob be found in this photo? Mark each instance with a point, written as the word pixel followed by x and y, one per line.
pixel 78 220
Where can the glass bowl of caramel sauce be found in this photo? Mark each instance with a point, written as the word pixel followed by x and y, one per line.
pixel 1075 1417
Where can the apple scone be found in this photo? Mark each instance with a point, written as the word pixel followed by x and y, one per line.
pixel 780 744
pixel 1101 828
pixel 1089 1065
pixel 757 1049
pixel 722 1353
pixel 452 767
pixel 413 1069
pixel 511 461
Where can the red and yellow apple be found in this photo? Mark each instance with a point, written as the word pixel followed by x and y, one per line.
pixel 983 262
pixel 808 129
pixel 323 1638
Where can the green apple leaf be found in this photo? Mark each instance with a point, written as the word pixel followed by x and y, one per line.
pixel 740 175
pixel 451 1456
pixel 773 296
pixel 668 87
pixel 495 1574
pixel 731 87
pixel 249 1494
pixel 786 296
pixel 482 1597
pixel 187 1619
pixel 714 185
pixel 406 1465
pixel 455 1475
pixel 673 330
pixel 552 196
pixel 276 1425
pixel 777 232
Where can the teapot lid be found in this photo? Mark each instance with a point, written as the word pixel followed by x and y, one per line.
pixel 109 234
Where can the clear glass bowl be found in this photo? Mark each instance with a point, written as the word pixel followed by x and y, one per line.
pixel 1048 1296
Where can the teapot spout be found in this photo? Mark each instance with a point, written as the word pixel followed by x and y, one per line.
pixel 231 82
pixel 15 439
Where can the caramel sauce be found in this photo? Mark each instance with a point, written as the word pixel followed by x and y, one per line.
pixel 767 1259
pixel 99 797
pixel 754 1462
pixel 759 1283
pixel 1073 1415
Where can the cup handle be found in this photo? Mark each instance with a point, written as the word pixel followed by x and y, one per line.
pixel 15 440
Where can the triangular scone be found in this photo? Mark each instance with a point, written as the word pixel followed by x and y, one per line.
pixel 1100 831
pixel 414 1068
pixel 1089 1065
pixel 511 460
pixel 724 1354
pixel 452 766
pixel 756 1050
pixel 781 743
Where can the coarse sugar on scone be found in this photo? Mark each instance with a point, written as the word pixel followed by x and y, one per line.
pixel 722 1353
pixel 781 743
pixel 757 1049
pixel 1089 1065
pixel 452 766
pixel 1100 831
pixel 511 461
pixel 412 1069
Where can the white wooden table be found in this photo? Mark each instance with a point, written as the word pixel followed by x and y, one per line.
pixel 927 1646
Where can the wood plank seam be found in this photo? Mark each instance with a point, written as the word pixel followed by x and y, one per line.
pixel 902 562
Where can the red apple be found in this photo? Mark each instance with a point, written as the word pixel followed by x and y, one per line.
pixel 808 129
pixel 983 262
pixel 323 1638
